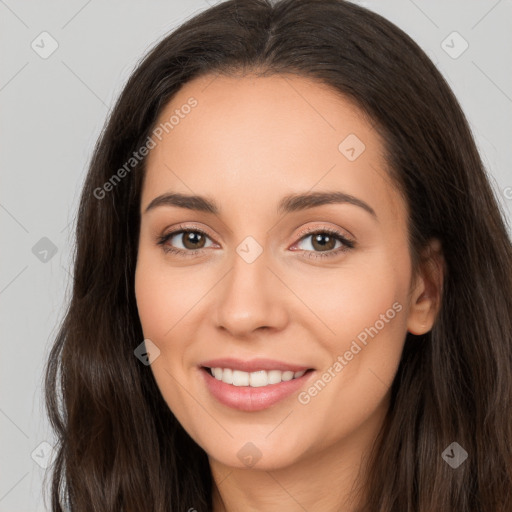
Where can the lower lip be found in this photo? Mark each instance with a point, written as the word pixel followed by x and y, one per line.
pixel 249 399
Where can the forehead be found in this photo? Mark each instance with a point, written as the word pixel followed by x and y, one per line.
pixel 256 139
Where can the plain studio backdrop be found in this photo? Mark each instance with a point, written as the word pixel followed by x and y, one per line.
pixel 63 65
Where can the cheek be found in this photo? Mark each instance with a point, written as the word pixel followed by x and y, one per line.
pixel 162 313
pixel 163 297
pixel 355 296
pixel 168 301
pixel 351 391
pixel 368 327
pixel 364 308
pixel 152 302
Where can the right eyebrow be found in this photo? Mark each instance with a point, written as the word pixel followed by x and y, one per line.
pixel 198 203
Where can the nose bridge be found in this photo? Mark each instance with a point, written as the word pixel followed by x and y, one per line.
pixel 250 296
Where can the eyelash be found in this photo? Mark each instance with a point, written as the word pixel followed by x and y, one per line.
pixel 347 243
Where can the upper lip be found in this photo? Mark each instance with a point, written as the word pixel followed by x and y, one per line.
pixel 253 365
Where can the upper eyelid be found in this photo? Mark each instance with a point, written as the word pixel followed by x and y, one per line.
pixel 182 229
pixel 325 229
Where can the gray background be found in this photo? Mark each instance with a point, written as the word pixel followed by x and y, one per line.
pixel 52 111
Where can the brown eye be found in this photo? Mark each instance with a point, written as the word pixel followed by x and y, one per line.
pixel 184 242
pixel 193 239
pixel 323 241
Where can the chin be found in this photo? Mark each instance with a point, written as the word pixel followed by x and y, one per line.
pixel 255 455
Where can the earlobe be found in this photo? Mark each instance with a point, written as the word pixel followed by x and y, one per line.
pixel 425 299
pixel 421 316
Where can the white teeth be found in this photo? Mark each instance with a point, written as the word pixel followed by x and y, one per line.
pixel 227 376
pixel 258 379
pixel 239 378
pixel 254 379
pixel 274 376
pixel 287 376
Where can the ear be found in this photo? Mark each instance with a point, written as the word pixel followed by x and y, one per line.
pixel 426 292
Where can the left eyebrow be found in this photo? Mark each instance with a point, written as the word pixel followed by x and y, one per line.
pixel 288 204
pixel 296 202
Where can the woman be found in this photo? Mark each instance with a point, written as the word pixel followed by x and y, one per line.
pixel 257 151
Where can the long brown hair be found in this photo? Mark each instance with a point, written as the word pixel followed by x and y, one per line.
pixel 120 448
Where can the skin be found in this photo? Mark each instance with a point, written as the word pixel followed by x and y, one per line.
pixel 249 142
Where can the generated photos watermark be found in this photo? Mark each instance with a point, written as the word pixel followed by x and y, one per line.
pixel 143 151
pixel 341 361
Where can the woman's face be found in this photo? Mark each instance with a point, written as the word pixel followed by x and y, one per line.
pixel 260 278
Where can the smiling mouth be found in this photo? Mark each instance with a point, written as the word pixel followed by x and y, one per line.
pixel 255 379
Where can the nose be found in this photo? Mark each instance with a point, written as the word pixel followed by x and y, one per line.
pixel 251 297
